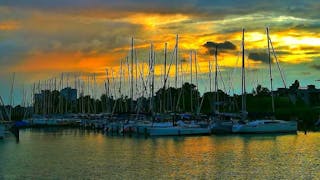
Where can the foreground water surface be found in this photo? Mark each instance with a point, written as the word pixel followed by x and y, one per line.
pixel 78 154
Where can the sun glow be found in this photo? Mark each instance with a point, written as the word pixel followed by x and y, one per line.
pixel 152 21
pixel 9 25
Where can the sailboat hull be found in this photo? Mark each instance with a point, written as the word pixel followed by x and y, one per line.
pixel 221 127
pixel 266 126
pixel 177 131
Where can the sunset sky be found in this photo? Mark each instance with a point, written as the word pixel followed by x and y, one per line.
pixel 40 39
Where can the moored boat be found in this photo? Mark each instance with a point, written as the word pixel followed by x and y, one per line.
pixel 222 123
pixel 221 127
pixel 182 128
pixel 177 131
pixel 265 126
pixel 262 125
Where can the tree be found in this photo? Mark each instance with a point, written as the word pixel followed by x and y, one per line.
pixel 262 91
pixel 295 85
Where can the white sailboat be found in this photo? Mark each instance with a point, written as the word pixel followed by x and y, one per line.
pixel 177 131
pixel 262 125
pixel 266 126
pixel 221 123
pixel 179 128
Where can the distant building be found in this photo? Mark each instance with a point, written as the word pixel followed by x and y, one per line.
pixel 69 94
pixel 47 101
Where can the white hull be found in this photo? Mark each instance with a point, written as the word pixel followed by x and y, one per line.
pixel 143 128
pixel 221 127
pixel 266 126
pixel 176 131
pixel 2 131
pixel 51 121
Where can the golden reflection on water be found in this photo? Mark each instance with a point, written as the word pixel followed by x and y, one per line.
pixel 71 153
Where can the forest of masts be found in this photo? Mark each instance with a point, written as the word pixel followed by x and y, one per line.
pixel 135 87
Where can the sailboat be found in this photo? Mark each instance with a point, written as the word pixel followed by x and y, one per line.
pixel 178 128
pixel 221 122
pixel 5 115
pixel 261 125
pixel 2 128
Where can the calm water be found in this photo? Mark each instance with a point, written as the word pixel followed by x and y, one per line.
pixel 76 154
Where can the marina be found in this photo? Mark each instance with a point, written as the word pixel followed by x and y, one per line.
pixel 109 89
pixel 181 115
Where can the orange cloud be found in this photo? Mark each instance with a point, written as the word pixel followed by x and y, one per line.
pixel 56 62
pixel 152 21
pixel 9 25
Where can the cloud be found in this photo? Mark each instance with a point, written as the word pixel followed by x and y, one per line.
pixel 213 9
pixel 211 46
pixel 8 25
pixel 42 36
pixel 259 56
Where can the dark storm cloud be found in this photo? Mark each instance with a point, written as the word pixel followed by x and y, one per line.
pixel 310 26
pixel 211 46
pixel 259 56
pixel 283 52
pixel 74 36
pixel 207 9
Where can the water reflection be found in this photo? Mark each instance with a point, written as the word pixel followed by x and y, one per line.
pixel 80 154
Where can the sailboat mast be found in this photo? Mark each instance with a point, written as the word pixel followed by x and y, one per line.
pixel 94 93
pixel 131 74
pixel 128 81
pixel 136 71
pixel 165 65
pixel 152 83
pixel 108 92
pixel 11 96
pixel 270 71
pixel 120 77
pixel 88 88
pixel 191 104
pixel 243 85
pixel 176 78
pixel 210 74
pixel 216 88
pixel 165 77
pixel 197 83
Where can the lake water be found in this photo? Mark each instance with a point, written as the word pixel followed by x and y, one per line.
pixel 77 154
